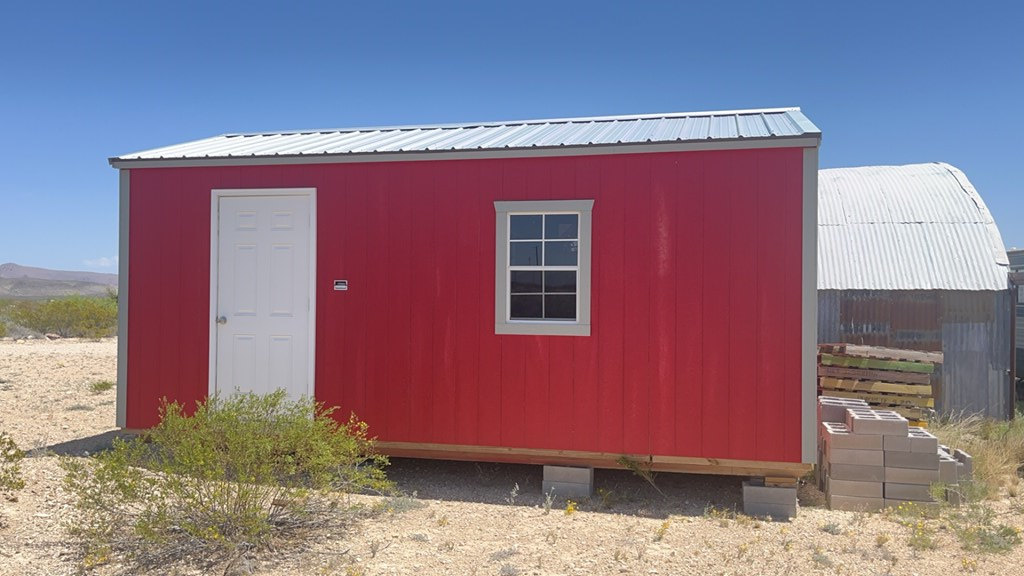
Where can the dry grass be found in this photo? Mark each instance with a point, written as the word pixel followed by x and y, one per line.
pixel 996 446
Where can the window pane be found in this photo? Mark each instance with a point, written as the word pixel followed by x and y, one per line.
pixel 560 306
pixel 525 281
pixel 561 226
pixel 560 253
pixel 524 253
pixel 525 227
pixel 526 307
pixel 559 281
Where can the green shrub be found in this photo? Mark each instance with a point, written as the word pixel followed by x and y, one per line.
pixel 3 329
pixel 71 317
pixel 229 479
pixel 10 464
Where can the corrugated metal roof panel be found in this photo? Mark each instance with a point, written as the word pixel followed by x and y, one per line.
pixel 916 227
pixel 637 129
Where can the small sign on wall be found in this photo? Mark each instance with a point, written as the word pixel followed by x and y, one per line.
pixel 341 284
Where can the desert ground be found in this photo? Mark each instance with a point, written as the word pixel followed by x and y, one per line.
pixel 464 518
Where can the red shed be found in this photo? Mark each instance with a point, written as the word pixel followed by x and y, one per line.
pixel 560 291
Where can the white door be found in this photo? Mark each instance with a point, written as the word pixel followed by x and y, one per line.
pixel 262 298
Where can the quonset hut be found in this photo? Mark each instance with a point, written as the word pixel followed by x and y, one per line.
pixel 910 257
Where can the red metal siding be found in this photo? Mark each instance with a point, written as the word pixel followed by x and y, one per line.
pixel 695 340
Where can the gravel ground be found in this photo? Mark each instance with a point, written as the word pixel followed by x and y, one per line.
pixel 464 518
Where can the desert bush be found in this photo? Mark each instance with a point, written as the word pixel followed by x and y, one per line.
pixel 229 479
pixel 71 317
pixel 3 328
pixel 996 446
pixel 10 464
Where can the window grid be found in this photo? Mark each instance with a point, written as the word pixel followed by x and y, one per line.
pixel 543 268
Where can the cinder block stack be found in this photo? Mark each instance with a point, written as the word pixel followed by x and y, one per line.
pixel 876 459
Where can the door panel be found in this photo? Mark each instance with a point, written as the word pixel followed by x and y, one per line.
pixel 263 294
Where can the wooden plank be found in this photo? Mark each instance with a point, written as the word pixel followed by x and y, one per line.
pixel 882 352
pixel 879 375
pixel 885 399
pixel 874 386
pixel 910 413
pixel 875 364
pixel 657 463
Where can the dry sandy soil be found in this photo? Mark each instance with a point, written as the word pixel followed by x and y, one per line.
pixel 465 521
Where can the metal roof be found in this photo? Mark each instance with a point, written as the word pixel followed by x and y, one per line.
pixel 764 124
pixel 914 227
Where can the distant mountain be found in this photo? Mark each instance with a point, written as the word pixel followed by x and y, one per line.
pixel 26 282
pixel 11 270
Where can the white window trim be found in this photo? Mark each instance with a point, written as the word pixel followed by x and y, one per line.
pixel 502 323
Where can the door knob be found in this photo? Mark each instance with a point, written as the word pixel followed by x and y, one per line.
pixel 222 320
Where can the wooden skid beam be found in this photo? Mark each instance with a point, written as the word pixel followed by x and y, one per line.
pixel 883 399
pixel 594 459
pixel 875 364
pixel 882 352
pixel 879 375
pixel 874 386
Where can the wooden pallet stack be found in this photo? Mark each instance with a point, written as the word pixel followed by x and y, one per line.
pixel 885 378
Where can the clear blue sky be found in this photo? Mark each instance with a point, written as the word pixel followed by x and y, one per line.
pixel 887 82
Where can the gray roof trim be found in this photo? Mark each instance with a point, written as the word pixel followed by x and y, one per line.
pixel 486 153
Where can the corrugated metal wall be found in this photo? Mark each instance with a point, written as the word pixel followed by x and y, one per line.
pixel 972 329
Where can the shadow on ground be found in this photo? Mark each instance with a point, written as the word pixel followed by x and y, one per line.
pixel 615 491
pixel 90 444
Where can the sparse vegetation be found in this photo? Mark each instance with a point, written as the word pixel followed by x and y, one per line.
pixel 549 499
pixel 644 472
pixel 71 317
pixel 659 534
pixel 996 446
pixel 976 529
pixel 10 464
pixel 229 479
pixel 101 386
pixel 570 507
pixel 832 528
pixel 512 495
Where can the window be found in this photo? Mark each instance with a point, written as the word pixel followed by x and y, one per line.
pixel 542 267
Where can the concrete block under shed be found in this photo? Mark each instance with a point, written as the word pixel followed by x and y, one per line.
pixel 856 472
pixel 855 503
pixel 854 488
pixel 922 441
pixel 861 457
pixel 833 409
pixel 774 501
pixel 837 435
pixel 911 476
pixel 953 495
pixel 884 422
pixel 896 443
pixel 775 511
pixel 948 469
pixel 894 502
pixel 912 460
pixel 908 492
pixel 968 464
pixel 568 481
pixel 752 492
